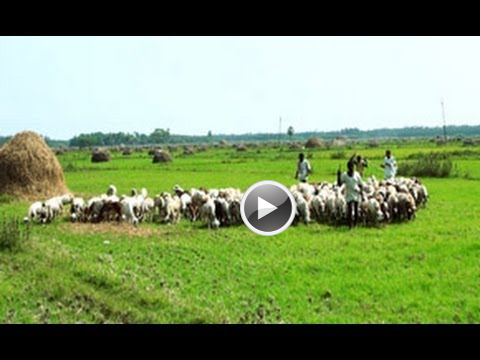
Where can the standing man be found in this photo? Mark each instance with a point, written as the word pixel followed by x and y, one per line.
pixel 303 169
pixel 353 191
pixel 390 165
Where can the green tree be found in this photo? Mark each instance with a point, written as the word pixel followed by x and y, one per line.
pixel 290 132
pixel 159 136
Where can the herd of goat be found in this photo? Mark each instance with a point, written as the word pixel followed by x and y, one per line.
pixel 382 201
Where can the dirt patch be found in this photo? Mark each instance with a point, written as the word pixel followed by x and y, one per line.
pixel 114 228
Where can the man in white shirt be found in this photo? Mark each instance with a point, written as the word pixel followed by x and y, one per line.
pixel 390 165
pixel 353 190
pixel 303 169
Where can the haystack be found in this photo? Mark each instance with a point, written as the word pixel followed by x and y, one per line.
pixel 241 147
pixel 295 146
pixel 29 169
pixel 161 156
pixel 188 150
pixel 60 150
pixel 339 142
pixel 100 155
pixel 127 151
pixel 153 150
pixel 314 143
pixel 172 148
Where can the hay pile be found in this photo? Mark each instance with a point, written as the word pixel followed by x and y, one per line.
pixel 100 155
pixel 172 148
pixel 188 150
pixel 314 143
pixel 29 169
pixel 295 146
pixel 60 151
pixel 241 147
pixel 339 142
pixel 161 156
pixel 153 150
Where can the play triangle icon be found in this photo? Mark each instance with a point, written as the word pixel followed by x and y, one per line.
pixel 264 208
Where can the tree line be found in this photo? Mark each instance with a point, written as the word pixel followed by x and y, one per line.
pixel 160 136
pixel 163 136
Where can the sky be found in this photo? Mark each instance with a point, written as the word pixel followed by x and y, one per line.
pixel 64 86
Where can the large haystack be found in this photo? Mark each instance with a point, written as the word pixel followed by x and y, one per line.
pixel 100 155
pixel 314 143
pixel 29 169
pixel 161 156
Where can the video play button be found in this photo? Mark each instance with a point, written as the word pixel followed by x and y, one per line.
pixel 267 208
pixel 264 208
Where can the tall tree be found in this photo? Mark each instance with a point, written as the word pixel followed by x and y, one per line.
pixel 290 132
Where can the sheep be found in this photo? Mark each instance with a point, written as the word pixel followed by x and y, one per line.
pixel 66 199
pixel 392 202
pixel 148 208
pixel 406 206
pixel 307 190
pixel 340 208
pixel 34 212
pixel 371 211
pixel 159 203
pixel 235 213
pixel 317 206
pixel 111 211
pixel 185 200
pixel 206 213
pixel 52 208
pixel 173 207
pixel 77 210
pixel 93 208
pixel 197 201
pixel 112 190
pixel 422 194
pixel 128 211
pixel 221 211
pixel 303 209
pixel 388 200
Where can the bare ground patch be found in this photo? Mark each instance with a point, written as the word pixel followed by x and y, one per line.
pixel 114 228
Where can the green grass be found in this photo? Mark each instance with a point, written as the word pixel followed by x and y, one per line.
pixel 425 271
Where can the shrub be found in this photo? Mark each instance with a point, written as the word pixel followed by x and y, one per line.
pixel 6 199
pixel 373 144
pixel 338 155
pixel 13 234
pixel 428 165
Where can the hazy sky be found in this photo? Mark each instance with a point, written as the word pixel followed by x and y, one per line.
pixel 64 86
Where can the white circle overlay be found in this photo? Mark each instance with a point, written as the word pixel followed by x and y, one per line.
pixel 253 187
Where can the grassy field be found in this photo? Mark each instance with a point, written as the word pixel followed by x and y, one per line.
pixel 424 271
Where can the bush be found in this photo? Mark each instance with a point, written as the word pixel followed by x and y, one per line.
pixel 6 199
pixel 373 144
pixel 13 234
pixel 429 165
pixel 338 155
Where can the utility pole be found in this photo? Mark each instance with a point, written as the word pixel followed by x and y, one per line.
pixel 279 130
pixel 444 122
